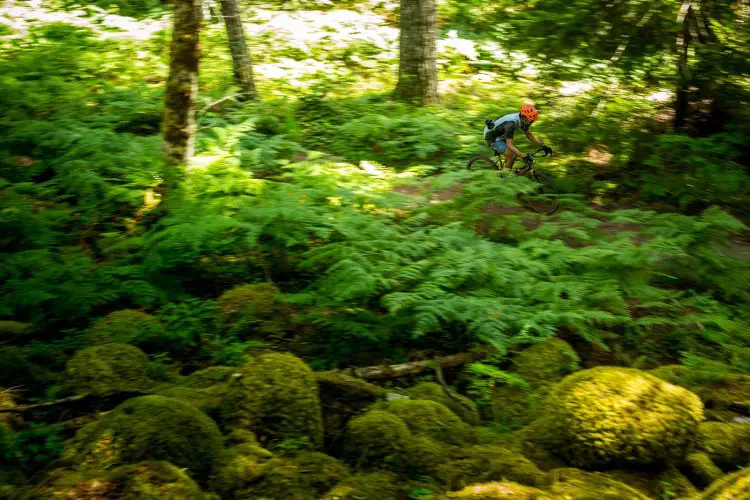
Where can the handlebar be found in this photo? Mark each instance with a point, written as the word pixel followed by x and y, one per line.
pixel 531 156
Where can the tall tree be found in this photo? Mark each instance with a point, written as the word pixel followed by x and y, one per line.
pixel 241 61
pixel 179 126
pixel 417 70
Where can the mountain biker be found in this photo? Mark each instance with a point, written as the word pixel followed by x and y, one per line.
pixel 499 133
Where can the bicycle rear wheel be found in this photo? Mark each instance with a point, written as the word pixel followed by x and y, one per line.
pixel 481 163
pixel 544 198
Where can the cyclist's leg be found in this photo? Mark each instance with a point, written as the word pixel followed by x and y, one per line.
pixel 510 158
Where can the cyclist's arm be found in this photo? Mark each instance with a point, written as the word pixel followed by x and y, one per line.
pixel 513 147
pixel 531 137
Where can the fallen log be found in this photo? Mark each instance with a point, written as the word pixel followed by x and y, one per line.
pixel 388 372
pixel 25 408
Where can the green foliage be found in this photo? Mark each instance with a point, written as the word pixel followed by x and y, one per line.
pixel 32 448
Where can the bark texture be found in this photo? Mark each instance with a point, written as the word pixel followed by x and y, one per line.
pixel 241 60
pixel 417 71
pixel 389 372
pixel 182 88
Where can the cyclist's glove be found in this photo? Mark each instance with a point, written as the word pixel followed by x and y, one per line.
pixel 547 150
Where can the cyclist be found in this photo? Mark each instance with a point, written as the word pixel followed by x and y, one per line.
pixel 499 133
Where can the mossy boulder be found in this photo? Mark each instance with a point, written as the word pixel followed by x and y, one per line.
pixel 700 469
pixel 144 480
pixel 575 484
pixel 377 439
pixel 481 464
pixel 149 428
pixel 499 491
pixel 108 368
pixel 370 486
pixel 341 397
pixel 727 445
pixel 238 467
pixel 533 442
pixel 11 331
pixel 208 400
pixel 126 327
pixel 8 421
pixel 430 419
pixel 254 310
pixel 610 416
pixel 726 398
pixel 734 486
pixel 275 396
pixel 208 377
pixel 668 482
pixel 464 408
pixel 305 476
pixel 546 363
pixel 423 456
pixel 512 406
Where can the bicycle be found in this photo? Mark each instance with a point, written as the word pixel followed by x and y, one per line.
pixel 544 199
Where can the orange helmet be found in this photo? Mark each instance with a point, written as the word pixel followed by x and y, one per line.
pixel 528 111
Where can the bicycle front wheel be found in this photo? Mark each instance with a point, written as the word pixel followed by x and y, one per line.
pixel 544 198
pixel 481 163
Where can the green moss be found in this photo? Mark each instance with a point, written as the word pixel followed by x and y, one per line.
pixel 8 421
pixel 430 419
pixel 664 483
pixel 372 486
pixel 126 327
pixel 149 428
pixel 424 455
pixel 238 467
pixel 700 470
pixel 480 464
pixel 254 309
pixel 546 363
pixel 144 480
pixel 574 484
pixel 341 397
pixel 511 406
pixel 108 368
pixel 726 398
pixel 276 397
pixel 377 439
pixel 734 486
pixel 727 445
pixel 609 416
pixel 306 476
pixel 533 442
pixel 431 391
pixel 207 400
pixel 209 377
pixel 674 374
pixel 499 491
pixel 14 330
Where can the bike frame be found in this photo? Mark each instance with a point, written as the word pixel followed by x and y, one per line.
pixel 527 165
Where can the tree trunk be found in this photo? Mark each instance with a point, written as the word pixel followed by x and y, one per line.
pixel 182 88
pixel 389 372
pixel 241 61
pixel 417 71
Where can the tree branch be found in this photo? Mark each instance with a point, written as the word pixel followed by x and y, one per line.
pixel 25 408
pixel 389 372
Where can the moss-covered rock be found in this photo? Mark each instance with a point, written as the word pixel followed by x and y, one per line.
pixel 609 416
pixel 700 470
pixel 668 482
pixel 727 445
pixel 511 406
pixel 430 419
pixel 276 397
pixel 8 421
pixel 144 480
pixel 465 408
pixel 574 484
pixel 239 466
pixel 546 363
pixel 208 400
pixel 371 486
pixel 499 491
pixel 341 397
pixel 377 439
pixel 423 456
pixel 208 377
pixel 149 428
pixel 726 398
pixel 254 310
pixel 481 464
pixel 734 486
pixel 108 368
pixel 533 441
pixel 308 475
pixel 126 327
pixel 11 331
